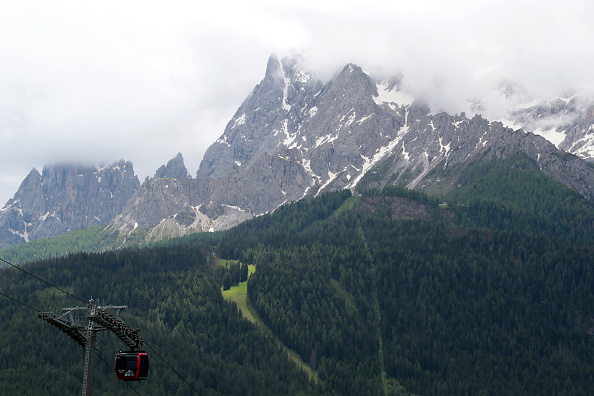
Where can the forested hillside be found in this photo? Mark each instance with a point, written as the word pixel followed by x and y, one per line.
pixel 485 291
pixel 172 299
pixel 460 310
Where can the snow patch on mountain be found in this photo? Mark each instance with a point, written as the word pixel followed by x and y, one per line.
pixel 365 118
pixel 237 208
pixel 223 140
pixel 584 147
pixel 386 94
pixel 239 120
pixel 289 137
pixel 287 83
pixel 552 135
pixel 326 139
pixel 331 177
pixel 444 148
pixel 382 152
pixel 24 235
pixel 306 164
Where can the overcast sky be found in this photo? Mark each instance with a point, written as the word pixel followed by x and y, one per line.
pixel 99 81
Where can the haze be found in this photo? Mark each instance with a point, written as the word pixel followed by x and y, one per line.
pixel 96 82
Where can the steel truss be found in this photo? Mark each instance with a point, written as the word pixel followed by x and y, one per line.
pixel 83 323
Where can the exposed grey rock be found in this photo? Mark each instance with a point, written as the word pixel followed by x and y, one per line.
pixel 566 122
pixel 317 130
pixel 158 199
pixel 175 169
pixel 265 184
pixel 175 207
pixel 438 143
pixel 64 198
pixel 294 136
pixel 268 117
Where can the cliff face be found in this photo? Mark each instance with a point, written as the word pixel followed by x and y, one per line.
pixel 175 169
pixel 566 122
pixel 294 137
pixel 64 198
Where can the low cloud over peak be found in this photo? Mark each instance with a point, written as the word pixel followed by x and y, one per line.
pixel 143 81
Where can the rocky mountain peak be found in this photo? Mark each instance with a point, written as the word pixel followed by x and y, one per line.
pixel 28 197
pixel 265 120
pixel 66 197
pixel 174 169
pixel 354 79
pixel 274 70
pixel 293 137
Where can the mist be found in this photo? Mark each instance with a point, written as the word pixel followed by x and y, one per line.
pixel 142 81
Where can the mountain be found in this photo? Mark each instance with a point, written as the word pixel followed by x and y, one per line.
pixel 295 136
pixel 378 290
pixel 567 121
pixel 175 169
pixel 64 198
pixel 327 137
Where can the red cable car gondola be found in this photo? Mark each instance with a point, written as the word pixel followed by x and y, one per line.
pixel 132 366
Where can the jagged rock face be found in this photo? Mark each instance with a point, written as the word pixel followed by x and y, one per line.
pixel 436 144
pixel 293 134
pixel 566 122
pixel 174 207
pixel 159 199
pixel 64 198
pixel 327 137
pixel 294 137
pixel 263 185
pixel 263 121
pixel 175 169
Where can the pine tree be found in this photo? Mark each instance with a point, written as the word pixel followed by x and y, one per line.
pixel 226 281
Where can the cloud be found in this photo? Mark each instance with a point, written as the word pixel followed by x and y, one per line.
pixel 452 51
pixel 143 80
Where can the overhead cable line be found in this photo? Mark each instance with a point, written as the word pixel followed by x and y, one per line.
pixel 43 280
pixel 88 303
pixel 96 353
pixel 171 367
pixel 20 302
pixel 112 369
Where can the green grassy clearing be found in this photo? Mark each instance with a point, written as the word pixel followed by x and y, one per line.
pixel 225 262
pixel 238 294
pixel 346 206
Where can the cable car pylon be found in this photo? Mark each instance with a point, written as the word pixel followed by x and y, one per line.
pixel 83 323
